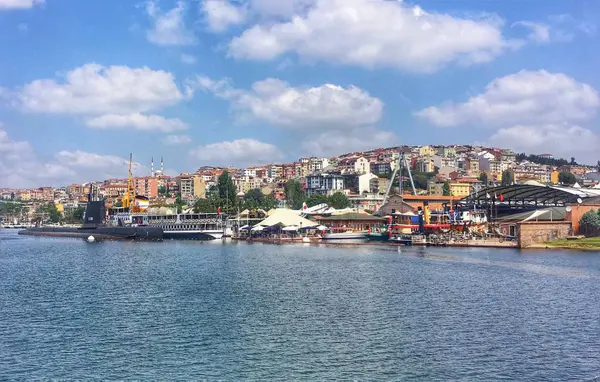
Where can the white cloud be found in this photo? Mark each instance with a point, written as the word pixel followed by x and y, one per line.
pixel 279 8
pixel 376 33
pixel 237 152
pixel 526 97
pixel 136 121
pixel 188 59
pixel 21 166
pixel 538 32
pixel 176 140
pixel 168 27
pixel 277 103
pixel 563 140
pixel 360 139
pixel 96 89
pixel 220 14
pixel 19 4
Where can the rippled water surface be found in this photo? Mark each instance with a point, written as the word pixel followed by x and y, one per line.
pixel 185 310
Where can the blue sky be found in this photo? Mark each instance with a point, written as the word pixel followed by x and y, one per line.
pixel 83 83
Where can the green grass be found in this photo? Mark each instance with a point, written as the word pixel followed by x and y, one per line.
pixel 587 243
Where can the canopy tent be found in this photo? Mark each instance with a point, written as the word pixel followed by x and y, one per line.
pixel 284 217
pixel 322 228
pixel 257 228
pixel 245 227
pixel 290 228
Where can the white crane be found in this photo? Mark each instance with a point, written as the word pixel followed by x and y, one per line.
pixel 402 162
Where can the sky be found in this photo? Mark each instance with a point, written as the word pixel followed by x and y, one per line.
pixel 250 82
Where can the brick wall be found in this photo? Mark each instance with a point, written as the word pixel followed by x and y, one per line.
pixel 530 233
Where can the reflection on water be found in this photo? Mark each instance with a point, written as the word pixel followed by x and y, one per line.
pixel 233 311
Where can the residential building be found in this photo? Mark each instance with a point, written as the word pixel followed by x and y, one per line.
pixel 185 184
pixel 324 184
pixel 275 171
pixel 508 156
pixel 364 182
pixel 447 151
pixel 444 161
pixel 426 151
pixel 460 189
pixel 381 168
pixel 245 184
pixel 288 171
pixel 145 186
pixel 359 165
pixel 317 164
pixel 425 164
pixel 435 188
pixel 199 187
pixel 379 186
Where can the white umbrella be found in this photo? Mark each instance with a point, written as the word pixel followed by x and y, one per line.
pixel 245 227
pixel 290 228
pixel 322 228
pixel 257 228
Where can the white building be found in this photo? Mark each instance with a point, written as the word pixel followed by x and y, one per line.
pixel 324 184
pixel 364 182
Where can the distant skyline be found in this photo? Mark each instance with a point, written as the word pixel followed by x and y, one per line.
pixel 247 82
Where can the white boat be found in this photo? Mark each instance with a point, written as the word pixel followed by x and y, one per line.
pixel 201 226
pixel 344 234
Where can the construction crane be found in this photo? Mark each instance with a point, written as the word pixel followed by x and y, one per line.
pixel 129 197
pixel 402 163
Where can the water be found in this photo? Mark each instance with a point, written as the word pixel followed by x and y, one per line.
pixel 188 310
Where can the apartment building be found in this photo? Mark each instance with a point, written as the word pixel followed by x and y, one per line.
pixel 324 184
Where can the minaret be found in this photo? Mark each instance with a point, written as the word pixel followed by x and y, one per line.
pixel 152 168
pixel 162 166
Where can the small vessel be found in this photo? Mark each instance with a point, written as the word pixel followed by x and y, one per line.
pixel 343 233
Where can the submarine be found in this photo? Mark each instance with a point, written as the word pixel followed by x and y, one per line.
pixel 94 227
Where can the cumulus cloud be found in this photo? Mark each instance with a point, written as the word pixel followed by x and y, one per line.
pixel 220 14
pixel 136 121
pixel 114 96
pixel 526 97
pixel 375 33
pixel 360 139
pixel 175 140
pixel 237 152
pixel 563 140
pixel 277 103
pixel 21 166
pixel 19 4
pixel 168 28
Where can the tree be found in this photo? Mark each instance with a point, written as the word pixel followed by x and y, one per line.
pixel 590 223
pixel 566 177
pixel 316 199
pixel 75 215
pixel 162 190
pixel 446 189
pixel 208 205
pixel 269 202
pixel 294 194
pixel 508 177
pixel 255 197
pixel 179 203
pixel 483 177
pixel 227 190
pixel 573 163
pixel 339 201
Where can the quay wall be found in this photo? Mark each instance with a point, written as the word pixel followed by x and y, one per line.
pixel 531 233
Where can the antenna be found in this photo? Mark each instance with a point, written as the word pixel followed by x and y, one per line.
pixel 579 201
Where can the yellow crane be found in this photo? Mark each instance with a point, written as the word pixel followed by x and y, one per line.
pixel 129 198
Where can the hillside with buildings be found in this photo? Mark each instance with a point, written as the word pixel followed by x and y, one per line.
pixel 363 177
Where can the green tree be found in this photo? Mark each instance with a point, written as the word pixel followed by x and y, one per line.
pixel 269 202
pixel 208 205
pixel 227 191
pixel 508 177
pixel 75 215
pixel 316 199
pixel 339 201
pixel 573 163
pixel 179 203
pixel 294 195
pixel 483 177
pixel 162 190
pixel 590 223
pixel 446 189
pixel 566 177
pixel 255 196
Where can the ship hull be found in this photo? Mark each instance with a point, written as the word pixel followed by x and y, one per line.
pixel 193 235
pixel 100 233
pixel 345 236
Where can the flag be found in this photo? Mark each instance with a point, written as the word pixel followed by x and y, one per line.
pixel 304 206
pixel 501 197
pixel 218 210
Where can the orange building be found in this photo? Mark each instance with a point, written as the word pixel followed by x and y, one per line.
pixel 146 186
pixel 436 202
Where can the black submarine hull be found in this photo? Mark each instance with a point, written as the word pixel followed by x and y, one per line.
pixel 99 233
